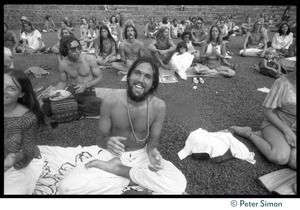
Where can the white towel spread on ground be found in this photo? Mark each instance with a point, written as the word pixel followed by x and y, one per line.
pixel 215 144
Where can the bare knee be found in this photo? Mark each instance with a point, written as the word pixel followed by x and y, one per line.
pixel 293 160
pixel 280 158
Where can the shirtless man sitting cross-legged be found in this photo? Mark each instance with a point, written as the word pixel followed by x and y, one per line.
pixel 82 71
pixel 128 132
pixel 130 50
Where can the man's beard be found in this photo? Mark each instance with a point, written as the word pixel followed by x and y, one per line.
pixel 136 98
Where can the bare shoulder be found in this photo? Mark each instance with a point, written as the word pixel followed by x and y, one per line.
pixel 115 98
pixel 140 43
pixel 62 65
pixel 158 103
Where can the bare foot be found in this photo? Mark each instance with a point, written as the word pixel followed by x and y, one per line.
pixel 241 131
pixel 108 166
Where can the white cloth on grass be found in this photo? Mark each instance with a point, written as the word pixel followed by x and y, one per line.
pixel 215 144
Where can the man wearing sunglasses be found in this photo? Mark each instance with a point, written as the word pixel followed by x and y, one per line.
pixel 79 74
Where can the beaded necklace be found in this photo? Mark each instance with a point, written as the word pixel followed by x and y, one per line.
pixel 132 129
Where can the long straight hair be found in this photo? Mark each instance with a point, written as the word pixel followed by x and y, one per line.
pixel 209 37
pixel 109 36
pixel 29 99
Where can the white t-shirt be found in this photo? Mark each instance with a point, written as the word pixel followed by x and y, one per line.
pixel 32 38
pixel 279 41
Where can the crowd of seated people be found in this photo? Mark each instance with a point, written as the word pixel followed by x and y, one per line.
pixel 197 46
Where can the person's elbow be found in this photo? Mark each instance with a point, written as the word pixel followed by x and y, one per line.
pixel 267 111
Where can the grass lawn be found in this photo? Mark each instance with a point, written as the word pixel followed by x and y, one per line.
pixel 213 106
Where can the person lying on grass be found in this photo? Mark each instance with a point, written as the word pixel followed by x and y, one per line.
pixel 128 131
pixel 79 73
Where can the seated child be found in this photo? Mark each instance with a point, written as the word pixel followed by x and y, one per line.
pixel 182 60
pixel 268 65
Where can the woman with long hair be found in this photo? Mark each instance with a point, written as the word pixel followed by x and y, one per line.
pixel 282 39
pixel 23 118
pixel 92 36
pixel 212 53
pixel 106 48
pixel 83 28
pixel 114 28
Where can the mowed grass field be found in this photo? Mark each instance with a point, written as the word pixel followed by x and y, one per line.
pixel 213 106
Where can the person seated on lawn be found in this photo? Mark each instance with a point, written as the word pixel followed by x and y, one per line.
pixel 92 36
pixel 174 29
pixel 198 32
pixel 63 24
pixel 189 24
pixel 162 48
pixel 23 117
pixel 246 26
pixel 32 40
pixel 106 48
pixel 181 27
pixel 165 23
pixel 114 28
pixel 69 23
pixel 182 60
pixel 277 138
pixel 212 52
pixel 282 40
pixel 79 73
pixel 288 64
pixel 83 28
pixel 105 21
pixel 269 65
pixel 10 39
pixel 186 37
pixel 8 58
pixel 128 131
pixel 49 24
pixel 22 20
pixel 224 29
pixel 130 50
pixel 151 28
pixel 96 22
pixel 55 48
pixel 255 43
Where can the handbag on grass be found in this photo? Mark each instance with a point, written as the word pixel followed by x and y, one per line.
pixel 61 109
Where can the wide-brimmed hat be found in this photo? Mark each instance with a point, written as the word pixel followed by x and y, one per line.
pixel 24 18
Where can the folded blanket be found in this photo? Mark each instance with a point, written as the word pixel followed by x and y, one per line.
pixel 215 144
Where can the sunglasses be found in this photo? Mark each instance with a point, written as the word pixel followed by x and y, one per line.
pixel 186 36
pixel 199 22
